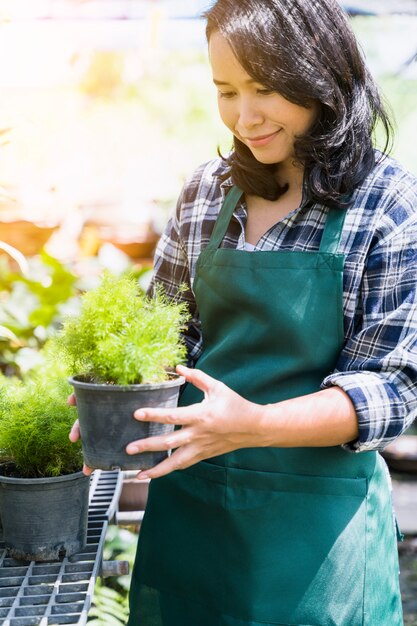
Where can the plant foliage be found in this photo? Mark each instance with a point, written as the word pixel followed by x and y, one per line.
pixel 110 608
pixel 35 421
pixel 121 336
pixel 31 309
pixel 110 601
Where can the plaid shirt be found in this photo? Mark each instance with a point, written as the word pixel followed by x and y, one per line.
pixel 377 367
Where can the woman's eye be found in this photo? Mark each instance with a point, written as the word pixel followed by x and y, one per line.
pixel 226 94
pixel 264 91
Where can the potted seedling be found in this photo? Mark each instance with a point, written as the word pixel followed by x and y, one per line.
pixel 43 492
pixel 121 349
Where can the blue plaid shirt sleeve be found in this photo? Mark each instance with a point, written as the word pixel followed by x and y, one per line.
pixel 378 365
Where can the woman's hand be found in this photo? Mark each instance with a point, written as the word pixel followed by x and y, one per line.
pixel 222 422
pixel 75 433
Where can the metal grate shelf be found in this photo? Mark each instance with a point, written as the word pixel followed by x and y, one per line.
pixel 60 592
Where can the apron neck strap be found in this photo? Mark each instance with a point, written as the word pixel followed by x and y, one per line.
pixel 332 230
pixel 224 217
pixel 329 241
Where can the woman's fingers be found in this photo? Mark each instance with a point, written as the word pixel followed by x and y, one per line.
pixel 177 416
pixel 222 422
pixel 179 460
pixel 161 443
pixel 75 432
pixel 72 400
pixel 87 470
pixel 74 437
pixel 183 415
pixel 196 377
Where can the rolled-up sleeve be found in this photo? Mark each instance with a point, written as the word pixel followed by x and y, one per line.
pixel 377 367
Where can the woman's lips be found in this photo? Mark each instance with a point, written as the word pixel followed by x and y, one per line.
pixel 261 140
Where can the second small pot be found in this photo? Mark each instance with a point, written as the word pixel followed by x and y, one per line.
pixel 107 424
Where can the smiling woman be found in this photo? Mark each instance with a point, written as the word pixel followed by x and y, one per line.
pixel 259 117
pixel 268 125
pixel 317 66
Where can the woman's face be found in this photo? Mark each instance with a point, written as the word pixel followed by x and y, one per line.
pixel 263 120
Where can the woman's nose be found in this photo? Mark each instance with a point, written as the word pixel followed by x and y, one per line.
pixel 249 114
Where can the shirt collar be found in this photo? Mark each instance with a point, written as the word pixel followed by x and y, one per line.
pixel 222 171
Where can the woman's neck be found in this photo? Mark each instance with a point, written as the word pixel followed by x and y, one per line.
pixel 263 214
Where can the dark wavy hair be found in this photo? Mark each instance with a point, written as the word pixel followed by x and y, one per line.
pixel 306 51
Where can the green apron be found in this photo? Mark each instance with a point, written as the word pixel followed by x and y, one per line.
pixel 268 536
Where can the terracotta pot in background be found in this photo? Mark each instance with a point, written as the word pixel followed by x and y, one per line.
pixel 135 249
pixel 137 242
pixel 27 237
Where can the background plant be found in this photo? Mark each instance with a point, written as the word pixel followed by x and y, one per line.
pixel 110 601
pixel 32 305
pixel 110 606
pixel 35 421
pixel 121 336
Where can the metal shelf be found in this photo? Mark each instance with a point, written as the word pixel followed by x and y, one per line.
pixel 60 592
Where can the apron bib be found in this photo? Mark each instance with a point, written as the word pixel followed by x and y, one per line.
pixel 269 536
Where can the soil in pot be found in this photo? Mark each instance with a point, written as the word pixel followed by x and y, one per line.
pixel 107 424
pixel 44 519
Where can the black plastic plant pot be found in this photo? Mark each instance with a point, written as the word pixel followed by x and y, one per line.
pixel 107 424
pixel 44 519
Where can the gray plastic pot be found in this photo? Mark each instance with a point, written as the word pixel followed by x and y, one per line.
pixel 107 424
pixel 44 518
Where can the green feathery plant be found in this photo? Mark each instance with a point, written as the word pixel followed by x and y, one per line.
pixel 121 336
pixel 35 421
